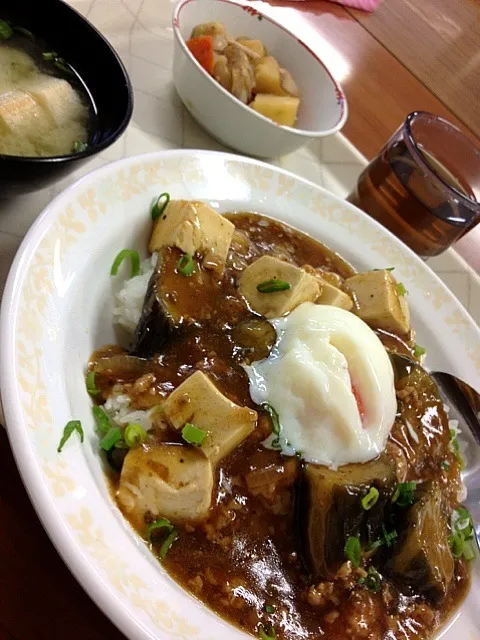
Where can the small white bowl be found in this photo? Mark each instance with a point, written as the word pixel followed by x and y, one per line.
pixel 323 106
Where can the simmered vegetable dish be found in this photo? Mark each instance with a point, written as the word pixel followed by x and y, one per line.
pixel 263 441
pixel 243 67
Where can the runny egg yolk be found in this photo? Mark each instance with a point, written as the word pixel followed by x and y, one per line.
pixel 331 382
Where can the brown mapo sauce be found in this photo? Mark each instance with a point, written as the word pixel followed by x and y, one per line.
pixel 244 561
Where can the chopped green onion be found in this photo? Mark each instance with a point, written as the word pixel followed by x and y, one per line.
pixel 170 539
pixel 370 500
pixel 376 545
pixel 461 539
pixel 162 523
pixel 404 494
pixel 102 421
pixel 50 55
pixel 63 66
pixel 353 550
pixel 462 514
pixel 275 418
pixel 186 265
pixel 401 289
pixel 444 464
pixel 268 608
pixel 134 259
pixel 90 382
pixel 271 286
pixel 455 448
pixel 134 434
pixel 468 550
pixel 389 538
pixel 462 521
pixel 80 146
pixel 456 542
pixel 267 632
pixel 372 581
pixel 390 269
pixel 419 351
pixel 275 443
pixel 23 31
pixel 159 207
pixel 111 438
pixel 193 435
pixel 6 30
pixel 386 539
pixel 73 425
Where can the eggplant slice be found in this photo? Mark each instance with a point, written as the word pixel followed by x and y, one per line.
pixel 255 336
pixel 329 510
pixel 422 557
pixel 173 302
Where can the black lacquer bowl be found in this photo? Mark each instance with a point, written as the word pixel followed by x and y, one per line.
pixel 103 73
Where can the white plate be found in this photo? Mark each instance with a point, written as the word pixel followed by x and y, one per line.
pixel 57 310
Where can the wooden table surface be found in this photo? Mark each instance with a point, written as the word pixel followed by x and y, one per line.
pixel 408 55
pixel 397 60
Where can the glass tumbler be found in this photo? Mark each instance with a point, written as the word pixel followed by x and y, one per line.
pixel 424 185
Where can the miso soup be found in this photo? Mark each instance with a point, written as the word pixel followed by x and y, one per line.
pixel 45 108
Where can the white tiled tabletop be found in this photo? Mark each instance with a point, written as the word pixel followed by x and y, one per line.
pixel 141 32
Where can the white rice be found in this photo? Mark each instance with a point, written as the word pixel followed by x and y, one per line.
pixel 118 409
pixel 129 300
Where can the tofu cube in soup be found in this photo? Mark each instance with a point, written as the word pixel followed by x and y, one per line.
pixel 168 480
pixel 379 301
pixel 329 293
pixel 197 401
pixel 302 286
pixel 194 227
pixel 333 296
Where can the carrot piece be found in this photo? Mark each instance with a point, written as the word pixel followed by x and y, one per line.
pixel 358 398
pixel 201 47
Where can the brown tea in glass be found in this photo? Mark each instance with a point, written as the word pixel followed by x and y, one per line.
pixel 424 185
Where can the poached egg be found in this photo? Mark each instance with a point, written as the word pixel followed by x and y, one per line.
pixel 331 382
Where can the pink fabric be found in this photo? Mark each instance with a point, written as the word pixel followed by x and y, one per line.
pixel 365 5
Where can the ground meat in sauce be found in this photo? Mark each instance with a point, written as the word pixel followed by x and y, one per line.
pixel 244 560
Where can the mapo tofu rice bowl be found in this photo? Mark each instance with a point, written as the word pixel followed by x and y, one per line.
pixel 262 441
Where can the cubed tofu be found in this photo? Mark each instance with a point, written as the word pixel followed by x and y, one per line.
pixel 330 293
pixel 209 29
pixel 281 109
pixel 199 402
pixel 267 76
pixel 194 227
pixel 20 114
pixel 167 480
pixel 333 296
pixel 303 286
pixel 254 45
pixel 378 302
